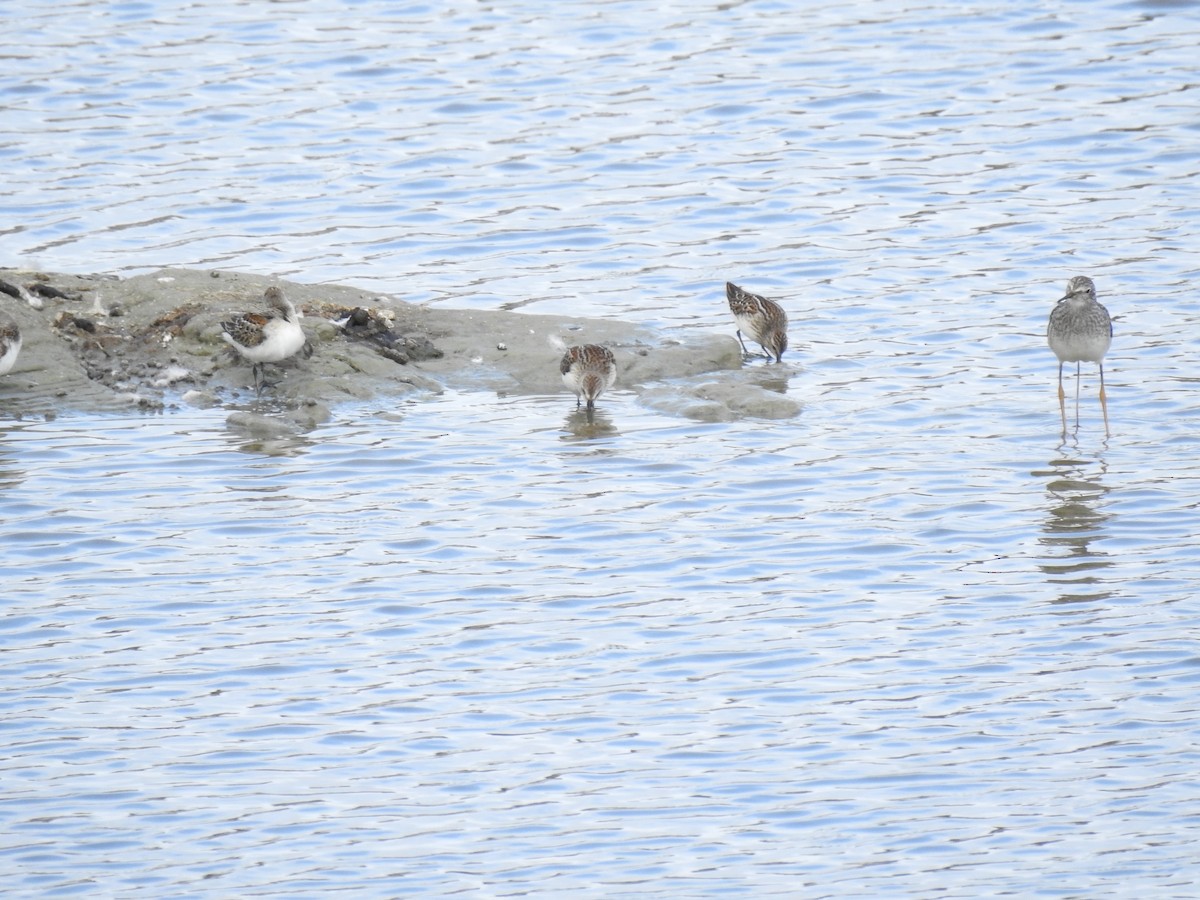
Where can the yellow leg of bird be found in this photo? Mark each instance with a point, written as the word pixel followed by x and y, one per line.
pixel 1077 369
pixel 1062 401
pixel 1103 400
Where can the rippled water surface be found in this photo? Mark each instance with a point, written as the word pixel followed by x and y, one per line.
pixel 916 641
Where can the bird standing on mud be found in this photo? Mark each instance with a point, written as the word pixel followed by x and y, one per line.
pixel 763 320
pixel 10 343
pixel 265 337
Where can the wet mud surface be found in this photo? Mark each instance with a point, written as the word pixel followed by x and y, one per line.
pixel 154 341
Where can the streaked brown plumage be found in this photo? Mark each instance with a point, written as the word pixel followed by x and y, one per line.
pixel 265 337
pixel 589 371
pixel 10 343
pixel 763 320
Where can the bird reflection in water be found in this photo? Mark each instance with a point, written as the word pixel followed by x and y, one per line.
pixel 774 379
pixel 1075 521
pixel 588 424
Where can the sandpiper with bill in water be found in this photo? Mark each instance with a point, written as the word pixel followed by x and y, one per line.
pixel 265 337
pixel 763 321
pixel 1080 330
pixel 588 370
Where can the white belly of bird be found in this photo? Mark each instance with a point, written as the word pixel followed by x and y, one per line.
pixel 751 327
pixel 1081 348
pixel 9 359
pixel 281 339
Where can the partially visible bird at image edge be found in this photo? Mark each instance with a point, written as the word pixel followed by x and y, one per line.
pixel 10 343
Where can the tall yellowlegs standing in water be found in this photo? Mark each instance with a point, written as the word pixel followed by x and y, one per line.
pixel 1080 330
pixel 763 320
pixel 589 371
pixel 10 343
pixel 263 338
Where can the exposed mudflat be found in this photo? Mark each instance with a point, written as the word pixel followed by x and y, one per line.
pixel 154 341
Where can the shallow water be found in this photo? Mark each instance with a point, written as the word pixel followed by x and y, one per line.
pixel 913 641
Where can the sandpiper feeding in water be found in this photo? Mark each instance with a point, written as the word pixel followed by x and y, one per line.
pixel 10 343
pixel 265 337
pixel 589 371
pixel 763 320
pixel 1080 330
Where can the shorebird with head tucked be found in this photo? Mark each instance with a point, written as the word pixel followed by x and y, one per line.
pixel 763 320
pixel 1080 330
pixel 589 371
pixel 10 343
pixel 265 337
